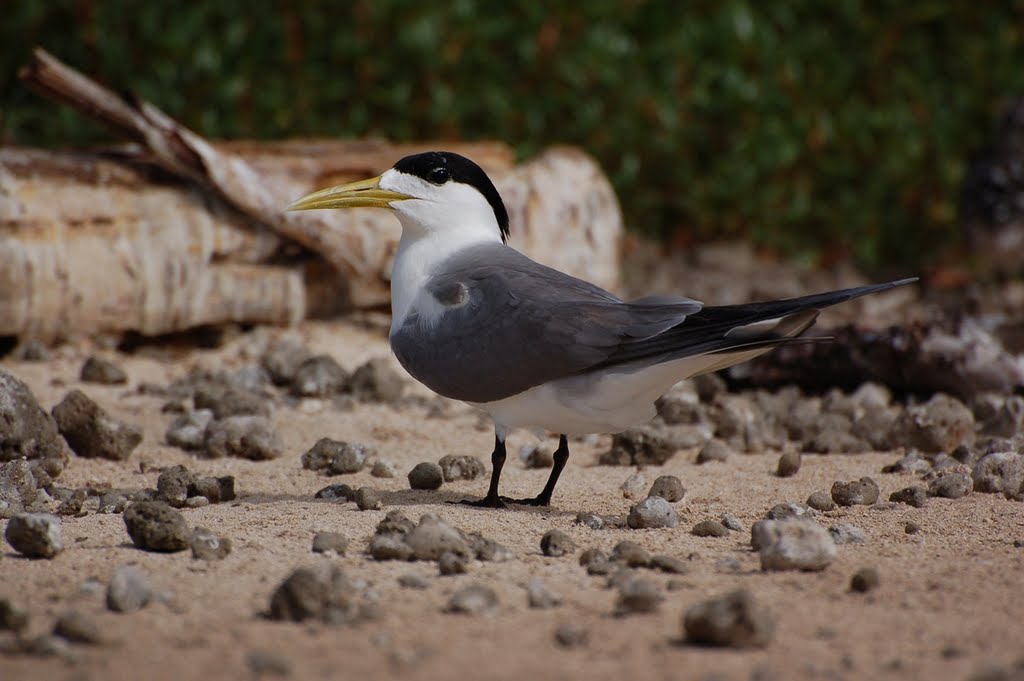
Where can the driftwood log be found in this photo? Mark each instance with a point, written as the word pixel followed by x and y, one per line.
pixel 173 231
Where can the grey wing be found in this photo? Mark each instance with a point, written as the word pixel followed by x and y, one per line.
pixel 511 324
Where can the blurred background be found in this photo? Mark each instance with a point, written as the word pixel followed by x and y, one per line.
pixel 823 131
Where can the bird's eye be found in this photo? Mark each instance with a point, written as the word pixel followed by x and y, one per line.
pixel 439 175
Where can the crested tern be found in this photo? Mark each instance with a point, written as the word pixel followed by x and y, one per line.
pixel 475 320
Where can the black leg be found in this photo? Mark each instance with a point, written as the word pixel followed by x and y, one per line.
pixel 561 456
pixel 492 500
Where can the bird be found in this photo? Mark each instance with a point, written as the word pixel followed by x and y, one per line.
pixel 475 320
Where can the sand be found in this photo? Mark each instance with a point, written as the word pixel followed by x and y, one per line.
pixel 949 601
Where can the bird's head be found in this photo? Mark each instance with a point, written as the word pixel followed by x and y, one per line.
pixel 432 193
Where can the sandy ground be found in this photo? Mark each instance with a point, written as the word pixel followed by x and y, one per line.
pixel 948 604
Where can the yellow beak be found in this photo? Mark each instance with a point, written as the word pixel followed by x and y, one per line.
pixel 365 193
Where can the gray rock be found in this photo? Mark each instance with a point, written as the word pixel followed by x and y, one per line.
pixel 173 484
pixel 911 528
pixel 571 635
pixel 911 462
pixel 871 396
pixel 787 510
pixel 591 520
pixel 668 487
pixel 710 528
pixel 652 512
pixel 376 381
pixel 12 617
pixel 856 492
pixel 330 541
pixel 72 506
pixel 208 545
pixel 320 593
pixel 188 430
pixel 845 533
pixel 26 430
pixel 733 523
pixel 35 535
pixel 99 370
pixel 641 446
pixel 835 441
pixel 596 555
pixel 395 523
pixel 77 627
pixel 792 545
pixel 739 421
pixel 821 501
pixel 128 590
pixel 246 437
pixel 789 464
pixel 864 580
pixel 633 486
pixel 999 472
pixel 433 537
pixel 225 400
pixel 938 425
pixel 875 425
pixel 213 489
pixel 18 487
pixel 476 599
pixel 155 526
pixel 713 450
pixel 539 597
pixel 452 563
pixel 368 499
pixel 535 456
pixel 283 359
pixel 627 552
pixel 426 475
pixel 411 581
pixel 734 620
pixel 320 455
pixel 638 595
pixel 91 432
pixel 461 467
pixel 490 551
pixel 332 492
pixel 349 458
pixel 196 502
pixel 669 564
pixel 319 376
pixel 383 469
pixel 951 483
pixel 389 547
pixel 916 496
pixel 556 544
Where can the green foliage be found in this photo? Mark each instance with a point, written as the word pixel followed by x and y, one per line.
pixel 805 125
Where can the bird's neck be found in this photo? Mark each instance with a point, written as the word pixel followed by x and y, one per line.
pixel 418 257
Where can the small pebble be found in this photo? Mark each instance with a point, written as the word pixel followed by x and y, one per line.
pixel 733 620
pixel 915 495
pixel 98 370
pixel 710 528
pixel 473 600
pixel 12 617
pixel 155 526
pixel 332 492
pixel 432 537
pixel 732 522
pixel 593 555
pixel 845 533
pixel 570 635
pixel 630 553
pixel 821 501
pixel 322 592
pixel 188 430
pixel 76 627
pixel 539 596
pixel 633 487
pixel 383 469
pixel 652 512
pixel 591 520
pixel 349 457
pixel 426 475
pixel 35 535
pixel 268 663
pixel 453 563
pixel 247 437
pixel 376 381
pixel 389 547
pixel 1017 543
pixel 911 527
pixel 556 544
pixel 788 510
pixel 638 595
pixel 335 542
pixel 864 580
pixel 794 544
pixel 789 464
pixel 669 564
pixel 461 467
pixel 318 376
pixel 857 492
pixel 713 450
pixel 668 487
pixel 951 484
pixel 128 590
pixel 535 456
pixel 368 499
pixel 207 545
pixel 490 551
pixel 172 485
pixel 91 432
